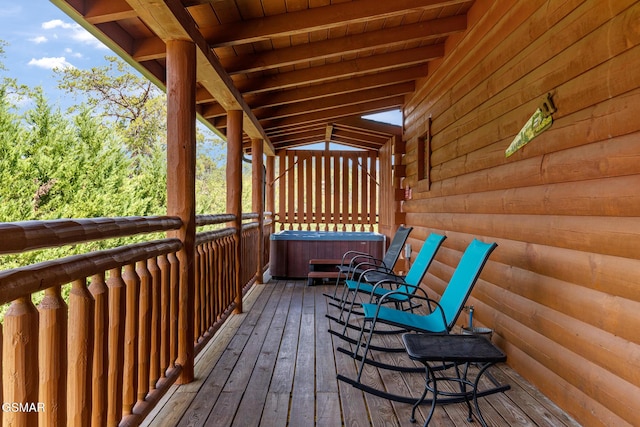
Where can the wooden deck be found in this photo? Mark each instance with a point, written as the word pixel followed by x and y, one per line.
pixel 276 364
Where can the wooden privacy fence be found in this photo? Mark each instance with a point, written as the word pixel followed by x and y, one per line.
pixel 329 190
pixel 107 354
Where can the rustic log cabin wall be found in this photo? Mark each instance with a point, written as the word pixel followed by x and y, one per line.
pixel 562 291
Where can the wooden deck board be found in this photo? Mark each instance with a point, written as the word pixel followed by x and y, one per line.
pixel 276 365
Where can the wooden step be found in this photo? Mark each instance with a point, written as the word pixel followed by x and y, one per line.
pixel 318 275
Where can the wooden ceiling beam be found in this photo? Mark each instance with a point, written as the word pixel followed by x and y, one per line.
pixel 370 126
pixel 346 69
pixel 169 20
pixel 360 136
pixel 336 47
pixel 148 49
pixel 101 11
pixel 276 132
pixel 313 19
pixel 271 99
pixel 337 113
pixel 203 96
pixel 309 108
pixel 304 137
pixel 327 103
pixel 211 110
pixel 328 132
pixel 358 144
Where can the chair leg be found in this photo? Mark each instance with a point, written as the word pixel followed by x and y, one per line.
pixel 351 305
pixel 334 295
pixel 366 348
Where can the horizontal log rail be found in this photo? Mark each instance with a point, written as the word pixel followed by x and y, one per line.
pixel 29 235
pixel 101 346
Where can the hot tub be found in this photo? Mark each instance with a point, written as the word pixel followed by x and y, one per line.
pixel 291 250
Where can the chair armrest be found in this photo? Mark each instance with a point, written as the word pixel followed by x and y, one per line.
pixel 429 302
pixel 351 255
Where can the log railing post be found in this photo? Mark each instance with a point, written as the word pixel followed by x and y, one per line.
pixel 144 329
pixel 100 292
pixel 81 312
pixel 165 314
pixel 130 364
pixel 234 194
pixel 154 365
pixel 115 379
pixel 53 358
pixel 20 361
pixel 181 160
pixel 257 200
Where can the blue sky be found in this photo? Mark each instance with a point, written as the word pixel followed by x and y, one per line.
pixel 41 37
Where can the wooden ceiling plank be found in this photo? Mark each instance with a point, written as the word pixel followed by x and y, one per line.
pixel 388 37
pixel 360 66
pixel 307 20
pixel 250 9
pixel 296 5
pixel 226 11
pixel 274 7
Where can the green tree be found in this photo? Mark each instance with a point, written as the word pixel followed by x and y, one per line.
pixel 133 105
pixel 137 111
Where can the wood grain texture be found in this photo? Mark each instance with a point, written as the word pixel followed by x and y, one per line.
pixel 561 291
pixel 276 364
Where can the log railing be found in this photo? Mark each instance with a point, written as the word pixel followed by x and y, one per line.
pixel 101 347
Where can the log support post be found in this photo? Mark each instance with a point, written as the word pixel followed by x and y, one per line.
pixel 257 200
pixel 181 200
pixel 234 195
pixel 270 197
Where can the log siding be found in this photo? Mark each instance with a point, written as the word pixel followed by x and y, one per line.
pixel 562 291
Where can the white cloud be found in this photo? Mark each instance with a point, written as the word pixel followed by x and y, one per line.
pixel 70 51
pixel 38 39
pixel 57 23
pixel 51 63
pixel 74 32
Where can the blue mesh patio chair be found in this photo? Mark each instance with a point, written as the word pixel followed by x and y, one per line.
pixel 440 319
pixel 354 263
pixel 375 283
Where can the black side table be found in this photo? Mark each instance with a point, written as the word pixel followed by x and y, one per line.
pixel 456 349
